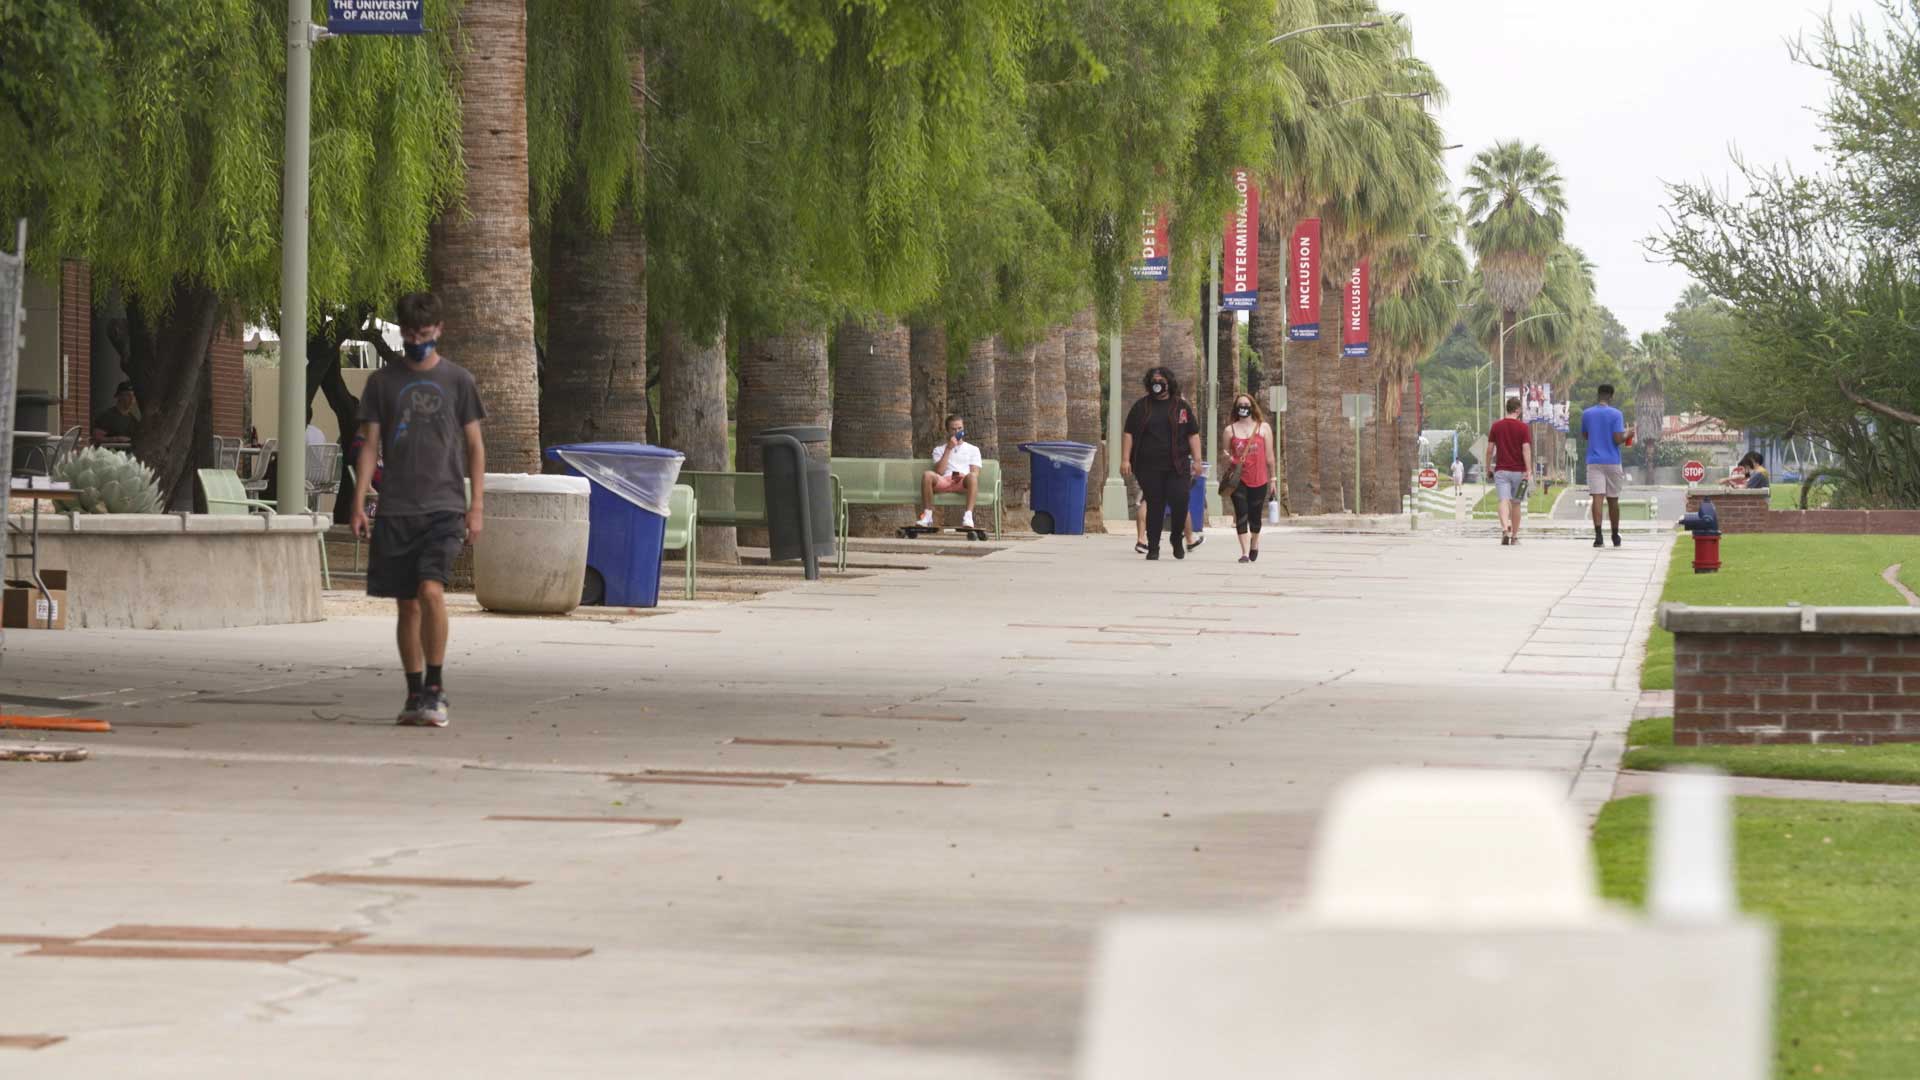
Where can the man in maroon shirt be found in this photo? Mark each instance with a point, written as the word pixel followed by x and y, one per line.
pixel 1510 453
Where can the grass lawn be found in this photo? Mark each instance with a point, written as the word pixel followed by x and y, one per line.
pixel 1838 881
pixel 1650 747
pixel 1538 502
pixel 1758 570
pixel 1787 497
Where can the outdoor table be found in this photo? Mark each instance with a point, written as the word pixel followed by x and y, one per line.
pixel 31 530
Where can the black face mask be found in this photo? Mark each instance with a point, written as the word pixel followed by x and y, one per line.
pixel 417 351
pixel 1243 412
pixel 1159 388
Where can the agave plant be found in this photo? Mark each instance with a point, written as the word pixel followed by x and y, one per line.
pixel 110 482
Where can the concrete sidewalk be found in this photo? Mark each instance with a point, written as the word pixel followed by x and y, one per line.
pixel 882 817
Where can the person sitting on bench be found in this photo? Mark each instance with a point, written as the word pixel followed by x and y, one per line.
pixel 956 468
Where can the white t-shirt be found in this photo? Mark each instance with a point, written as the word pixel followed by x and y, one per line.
pixel 1459 470
pixel 964 459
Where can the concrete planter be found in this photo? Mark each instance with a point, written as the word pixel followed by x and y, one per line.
pixel 185 571
pixel 531 558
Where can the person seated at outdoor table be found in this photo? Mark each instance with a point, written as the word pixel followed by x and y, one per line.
pixel 1756 473
pixel 120 421
pixel 956 468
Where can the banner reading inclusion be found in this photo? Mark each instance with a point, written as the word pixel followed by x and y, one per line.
pixel 1303 294
pixel 1357 342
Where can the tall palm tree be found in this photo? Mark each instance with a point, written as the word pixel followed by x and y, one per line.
pixel 482 250
pixel 1648 371
pixel 1365 163
pixel 972 394
pixel 1416 297
pixel 873 406
pixel 1015 415
pixel 1548 337
pixel 693 416
pixel 927 356
pixel 1084 401
pixel 594 384
pixel 1050 386
pixel 1515 221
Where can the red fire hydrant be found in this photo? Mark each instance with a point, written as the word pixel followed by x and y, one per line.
pixel 1705 527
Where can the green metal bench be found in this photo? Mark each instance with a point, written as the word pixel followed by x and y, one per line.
pixel 226 496
pixel 683 533
pixel 896 482
pixel 738 500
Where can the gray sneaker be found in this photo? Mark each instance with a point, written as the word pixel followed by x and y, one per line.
pixel 410 715
pixel 433 708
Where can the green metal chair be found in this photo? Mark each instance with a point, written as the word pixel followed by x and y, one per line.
pixel 683 532
pixel 226 496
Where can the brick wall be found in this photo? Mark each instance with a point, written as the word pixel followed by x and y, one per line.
pixel 76 343
pixel 1748 512
pixel 229 382
pixel 1795 688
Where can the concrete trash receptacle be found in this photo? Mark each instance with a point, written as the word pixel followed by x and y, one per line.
pixel 532 555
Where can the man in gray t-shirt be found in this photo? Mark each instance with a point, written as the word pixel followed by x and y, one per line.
pixel 421 420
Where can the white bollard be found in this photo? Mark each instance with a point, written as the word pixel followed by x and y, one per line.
pixel 1451 932
pixel 1692 875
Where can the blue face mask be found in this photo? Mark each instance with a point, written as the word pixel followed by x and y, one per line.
pixel 961 434
pixel 418 352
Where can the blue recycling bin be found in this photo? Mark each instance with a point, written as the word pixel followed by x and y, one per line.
pixel 1059 491
pixel 1197 498
pixel 627 512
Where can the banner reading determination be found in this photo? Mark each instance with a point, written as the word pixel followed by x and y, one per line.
pixel 1153 264
pixel 1241 261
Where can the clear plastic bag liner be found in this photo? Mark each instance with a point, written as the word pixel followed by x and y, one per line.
pixel 1078 455
pixel 646 482
pixel 538 484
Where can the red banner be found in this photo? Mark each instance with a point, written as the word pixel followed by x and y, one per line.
pixel 1240 273
pixel 1303 299
pixel 1153 264
pixel 1357 341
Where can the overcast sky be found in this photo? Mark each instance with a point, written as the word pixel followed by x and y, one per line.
pixel 1626 94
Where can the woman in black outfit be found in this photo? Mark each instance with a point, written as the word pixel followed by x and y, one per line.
pixel 1158 448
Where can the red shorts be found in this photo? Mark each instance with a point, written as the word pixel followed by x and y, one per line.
pixel 949 484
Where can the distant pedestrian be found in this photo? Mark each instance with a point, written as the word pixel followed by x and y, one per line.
pixel 1605 431
pixel 1158 447
pixel 1510 456
pixel 1459 472
pixel 1250 451
pixel 421 418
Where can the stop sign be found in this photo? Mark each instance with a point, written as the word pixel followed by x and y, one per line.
pixel 1429 478
pixel 1694 472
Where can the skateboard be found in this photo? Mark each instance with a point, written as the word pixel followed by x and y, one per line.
pixel 915 532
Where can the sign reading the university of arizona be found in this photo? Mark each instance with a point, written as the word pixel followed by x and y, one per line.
pixel 1153 264
pixel 1357 340
pixel 1303 292
pixel 1241 262
pixel 375 17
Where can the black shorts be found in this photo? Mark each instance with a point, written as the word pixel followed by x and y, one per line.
pixel 408 550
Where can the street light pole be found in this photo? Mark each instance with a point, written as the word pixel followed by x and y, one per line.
pixel 1502 384
pixel 1213 377
pixel 291 475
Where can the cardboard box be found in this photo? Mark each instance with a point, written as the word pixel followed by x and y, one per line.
pixel 23 608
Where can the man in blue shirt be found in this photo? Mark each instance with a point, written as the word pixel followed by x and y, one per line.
pixel 1605 431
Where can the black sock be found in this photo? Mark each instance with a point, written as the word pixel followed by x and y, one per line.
pixel 415 682
pixel 433 677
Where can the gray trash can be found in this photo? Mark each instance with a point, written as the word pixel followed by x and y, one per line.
pixel 798 472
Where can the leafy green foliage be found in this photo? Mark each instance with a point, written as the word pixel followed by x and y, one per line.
pixel 181 181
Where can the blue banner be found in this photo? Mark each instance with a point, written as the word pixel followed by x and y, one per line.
pixel 375 16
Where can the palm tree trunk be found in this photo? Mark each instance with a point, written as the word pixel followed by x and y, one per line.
pixel 927 356
pixel 873 401
pixel 594 385
pixel 1179 351
pixel 693 417
pixel 1084 397
pixel 1014 388
pixel 783 383
pixel 1050 386
pixel 481 257
pixel 1267 336
pixel 973 398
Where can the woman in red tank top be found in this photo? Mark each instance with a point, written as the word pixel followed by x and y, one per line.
pixel 1249 442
